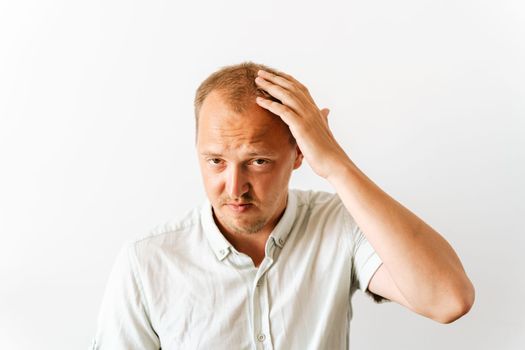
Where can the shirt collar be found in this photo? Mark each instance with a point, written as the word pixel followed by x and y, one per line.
pixel 284 226
pixel 218 243
pixel 221 246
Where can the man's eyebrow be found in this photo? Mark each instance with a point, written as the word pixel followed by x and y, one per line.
pixel 211 154
pixel 262 153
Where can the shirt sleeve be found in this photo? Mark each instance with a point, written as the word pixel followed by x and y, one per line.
pixel 365 260
pixel 123 320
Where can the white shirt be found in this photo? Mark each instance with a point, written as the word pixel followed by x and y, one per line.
pixel 184 286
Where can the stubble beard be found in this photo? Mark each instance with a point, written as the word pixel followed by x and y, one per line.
pixel 230 223
pixel 249 227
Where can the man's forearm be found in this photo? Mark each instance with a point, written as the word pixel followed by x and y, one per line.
pixel 422 264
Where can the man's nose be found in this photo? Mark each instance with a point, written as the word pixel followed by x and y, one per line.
pixel 236 183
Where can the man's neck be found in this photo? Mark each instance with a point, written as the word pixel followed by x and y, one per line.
pixel 252 244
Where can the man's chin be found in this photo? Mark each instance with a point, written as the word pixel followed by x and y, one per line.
pixel 245 227
pixel 245 222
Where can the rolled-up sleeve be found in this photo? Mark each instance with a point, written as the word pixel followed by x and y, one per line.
pixel 123 320
pixel 365 260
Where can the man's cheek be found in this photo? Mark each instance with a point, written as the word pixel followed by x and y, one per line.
pixel 213 183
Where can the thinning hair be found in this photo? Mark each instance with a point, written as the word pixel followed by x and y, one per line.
pixel 236 84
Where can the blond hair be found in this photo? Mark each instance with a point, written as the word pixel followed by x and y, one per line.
pixel 236 84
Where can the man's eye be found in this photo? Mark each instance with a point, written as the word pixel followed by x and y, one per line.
pixel 261 161
pixel 214 161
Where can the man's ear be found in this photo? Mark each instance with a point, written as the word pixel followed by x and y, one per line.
pixel 298 157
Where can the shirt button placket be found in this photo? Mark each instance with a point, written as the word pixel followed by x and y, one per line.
pixel 262 307
pixel 264 335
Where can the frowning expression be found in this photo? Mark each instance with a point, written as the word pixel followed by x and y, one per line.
pixel 246 160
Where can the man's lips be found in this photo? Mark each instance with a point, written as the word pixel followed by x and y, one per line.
pixel 239 207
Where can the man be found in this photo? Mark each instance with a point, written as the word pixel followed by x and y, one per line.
pixel 262 266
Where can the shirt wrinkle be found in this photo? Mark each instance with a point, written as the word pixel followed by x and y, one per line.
pixel 195 294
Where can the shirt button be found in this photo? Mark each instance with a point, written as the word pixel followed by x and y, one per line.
pixel 261 337
pixel 222 251
pixel 281 241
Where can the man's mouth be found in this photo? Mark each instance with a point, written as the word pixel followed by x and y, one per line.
pixel 238 207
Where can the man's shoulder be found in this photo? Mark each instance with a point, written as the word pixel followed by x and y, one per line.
pixel 176 230
pixel 321 207
pixel 315 199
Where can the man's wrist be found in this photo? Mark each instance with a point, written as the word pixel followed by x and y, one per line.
pixel 341 171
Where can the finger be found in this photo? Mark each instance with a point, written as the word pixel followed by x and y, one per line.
pixel 300 85
pixel 287 97
pixel 287 77
pixel 292 79
pixel 286 113
pixel 325 112
pixel 276 79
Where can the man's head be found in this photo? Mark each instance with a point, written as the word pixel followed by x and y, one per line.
pixel 246 153
pixel 236 83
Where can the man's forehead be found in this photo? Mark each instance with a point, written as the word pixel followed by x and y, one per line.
pixel 253 129
pixel 243 132
pixel 246 135
pixel 239 147
pixel 221 119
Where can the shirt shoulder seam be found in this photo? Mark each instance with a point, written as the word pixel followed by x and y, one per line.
pixel 169 227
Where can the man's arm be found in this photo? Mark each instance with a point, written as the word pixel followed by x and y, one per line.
pixel 420 269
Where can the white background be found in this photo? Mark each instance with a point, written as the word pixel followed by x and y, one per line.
pixel 96 141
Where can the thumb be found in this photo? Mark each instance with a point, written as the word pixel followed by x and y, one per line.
pixel 325 112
